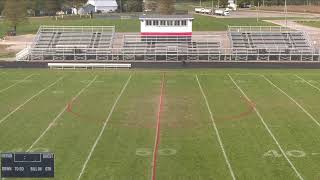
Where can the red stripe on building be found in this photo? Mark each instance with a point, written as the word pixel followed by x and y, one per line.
pixel 166 34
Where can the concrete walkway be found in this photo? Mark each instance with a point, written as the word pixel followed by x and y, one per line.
pixel 294 25
pixel 312 32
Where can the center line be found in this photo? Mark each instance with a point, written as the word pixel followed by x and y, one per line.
pixel 157 137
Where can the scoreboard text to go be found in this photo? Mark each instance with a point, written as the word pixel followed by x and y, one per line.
pixel 27 165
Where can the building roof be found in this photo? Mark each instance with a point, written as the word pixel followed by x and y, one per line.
pixel 158 16
pixel 101 3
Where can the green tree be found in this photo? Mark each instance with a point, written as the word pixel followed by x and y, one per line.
pixel 52 6
pixel 166 6
pixel 150 5
pixel 134 6
pixel 75 3
pixel 1 5
pixel 15 12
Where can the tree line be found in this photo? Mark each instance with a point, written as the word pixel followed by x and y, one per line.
pixel 49 7
pixel 266 2
pixel 16 12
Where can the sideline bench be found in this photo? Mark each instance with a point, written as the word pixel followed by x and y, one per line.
pixel 87 65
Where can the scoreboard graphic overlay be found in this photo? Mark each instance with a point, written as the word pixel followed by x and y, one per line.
pixel 27 165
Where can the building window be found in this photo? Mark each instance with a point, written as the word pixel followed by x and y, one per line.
pixel 162 23
pixel 170 23
pixel 177 23
pixel 148 22
pixel 183 23
pixel 156 23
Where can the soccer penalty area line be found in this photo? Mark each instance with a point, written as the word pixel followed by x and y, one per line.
pixel 103 128
pixel 269 131
pixel 216 130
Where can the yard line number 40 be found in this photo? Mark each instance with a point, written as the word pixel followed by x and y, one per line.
pixel 292 153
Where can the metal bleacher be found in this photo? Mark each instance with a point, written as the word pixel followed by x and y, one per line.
pixel 96 44
pixel 268 39
pixel 153 48
pixel 72 43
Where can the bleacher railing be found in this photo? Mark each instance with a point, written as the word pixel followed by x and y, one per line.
pixel 110 29
pixel 260 29
pixel 164 51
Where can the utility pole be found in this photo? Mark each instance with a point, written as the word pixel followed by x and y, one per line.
pixel 212 7
pixel 200 3
pixel 258 11
pixel 285 12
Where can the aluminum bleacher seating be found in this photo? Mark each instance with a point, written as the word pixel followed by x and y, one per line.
pixel 141 45
pixel 71 42
pixel 268 40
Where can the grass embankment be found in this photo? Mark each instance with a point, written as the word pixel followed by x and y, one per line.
pixel 310 23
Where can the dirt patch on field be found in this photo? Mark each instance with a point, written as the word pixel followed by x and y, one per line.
pixel 4 53
pixel 294 8
pixel 9 46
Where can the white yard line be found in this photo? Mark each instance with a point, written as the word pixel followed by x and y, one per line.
pixel 268 129
pixel 308 82
pixel 293 100
pixel 103 128
pixel 216 130
pixel 60 114
pixel 16 83
pixel 28 100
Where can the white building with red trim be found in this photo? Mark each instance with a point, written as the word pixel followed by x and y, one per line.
pixel 104 5
pixel 166 25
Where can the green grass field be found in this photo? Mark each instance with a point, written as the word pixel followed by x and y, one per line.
pixel 253 124
pixel 201 23
pixel 310 23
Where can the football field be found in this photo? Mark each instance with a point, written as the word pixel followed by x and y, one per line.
pixel 166 124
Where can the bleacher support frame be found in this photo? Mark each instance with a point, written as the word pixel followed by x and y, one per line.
pixel 142 54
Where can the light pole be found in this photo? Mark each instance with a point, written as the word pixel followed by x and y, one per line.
pixel 200 3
